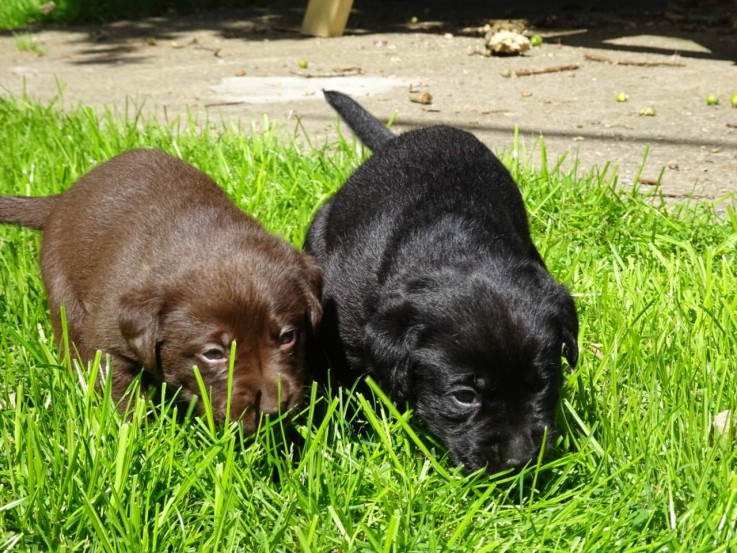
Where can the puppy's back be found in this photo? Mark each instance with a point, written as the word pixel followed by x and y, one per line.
pixel 425 174
pixel 143 212
pixel 138 195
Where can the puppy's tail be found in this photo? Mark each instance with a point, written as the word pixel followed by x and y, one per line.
pixel 372 132
pixel 25 211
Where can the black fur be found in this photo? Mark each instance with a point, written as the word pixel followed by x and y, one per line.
pixel 434 287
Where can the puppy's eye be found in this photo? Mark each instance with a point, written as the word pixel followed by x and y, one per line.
pixel 465 396
pixel 213 354
pixel 287 337
pixel 536 384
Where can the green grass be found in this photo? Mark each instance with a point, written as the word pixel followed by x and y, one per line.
pixel 16 13
pixel 26 42
pixel 638 469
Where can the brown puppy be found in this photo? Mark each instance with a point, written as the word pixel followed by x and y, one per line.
pixel 156 267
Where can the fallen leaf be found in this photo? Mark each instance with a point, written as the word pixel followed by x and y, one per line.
pixel 723 424
pixel 424 98
pixel 47 8
pixel 11 402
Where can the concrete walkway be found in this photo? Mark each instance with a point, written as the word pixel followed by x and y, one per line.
pixel 242 65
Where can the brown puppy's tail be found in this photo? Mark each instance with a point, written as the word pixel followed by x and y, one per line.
pixel 25 211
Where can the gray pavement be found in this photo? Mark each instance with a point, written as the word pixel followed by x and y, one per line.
pixel 242 65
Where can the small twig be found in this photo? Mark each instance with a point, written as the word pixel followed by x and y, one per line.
pixel 690 196
pixel 220 104
pixel 339 72
pixel 294 29
pixel 538 71
pixel 215 51
pixel 604 59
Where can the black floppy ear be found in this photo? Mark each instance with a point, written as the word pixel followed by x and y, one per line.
pixel 139 320
pixel 568 320
pixel 391 335
pixel 312 288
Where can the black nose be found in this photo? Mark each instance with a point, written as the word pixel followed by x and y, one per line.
pixel 520 450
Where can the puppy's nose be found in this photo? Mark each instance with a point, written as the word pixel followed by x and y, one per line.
pixel 272 401
pixel 520 450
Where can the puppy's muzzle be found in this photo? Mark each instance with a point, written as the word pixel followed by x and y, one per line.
pixel 520 450
pixel 272 401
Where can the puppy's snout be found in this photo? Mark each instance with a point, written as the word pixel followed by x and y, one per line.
pixel 521 449
pixel 273 399
pixel 253 402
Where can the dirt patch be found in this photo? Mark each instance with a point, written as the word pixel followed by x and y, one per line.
pixel 241 65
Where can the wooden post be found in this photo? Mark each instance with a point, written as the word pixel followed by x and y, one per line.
pixel 326 18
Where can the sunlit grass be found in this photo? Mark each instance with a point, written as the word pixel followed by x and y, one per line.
pixel 26 42
pixel 17 13
pixel 638 466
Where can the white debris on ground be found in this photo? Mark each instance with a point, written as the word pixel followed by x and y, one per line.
pixel 508 43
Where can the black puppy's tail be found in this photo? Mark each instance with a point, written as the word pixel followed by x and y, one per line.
pixel 25 211
pixel 372 132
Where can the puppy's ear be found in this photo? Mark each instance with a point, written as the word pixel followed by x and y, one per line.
pixel 391 335
pixel 568 320
pixel 139 320
pixel 312 288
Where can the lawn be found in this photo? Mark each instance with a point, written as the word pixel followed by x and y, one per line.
pixel 17 13
pixel 639 466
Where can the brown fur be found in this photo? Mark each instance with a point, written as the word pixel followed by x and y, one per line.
pixel 156 267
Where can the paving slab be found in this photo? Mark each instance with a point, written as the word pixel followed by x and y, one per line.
pixel 242 65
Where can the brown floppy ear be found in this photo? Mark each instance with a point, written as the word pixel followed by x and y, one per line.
pixel 139 319
pixel 312 288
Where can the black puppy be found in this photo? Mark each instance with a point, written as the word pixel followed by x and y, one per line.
pixel 434 287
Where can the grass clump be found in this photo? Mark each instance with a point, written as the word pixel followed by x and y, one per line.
pixel 26 42
pixel 638 466
pixel 17 13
